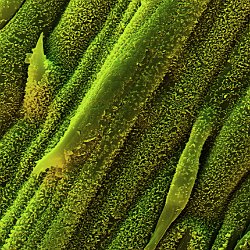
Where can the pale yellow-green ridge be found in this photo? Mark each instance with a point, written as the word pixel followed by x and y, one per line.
pixel 88 115
pixel 234 132
pixel 79 75
pixel 15 142
pixel 138 220
pixel 41 224
pixel 36 61
pixel 89 65
pixel 227 163
pixel 91 62
pixel 37 91
pixel 31 154
pixel 184 177
pixel 239 58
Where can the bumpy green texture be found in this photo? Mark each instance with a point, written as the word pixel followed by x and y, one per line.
pixel 17 38
pixel 7 10
pixel 236 218
pixel 125 124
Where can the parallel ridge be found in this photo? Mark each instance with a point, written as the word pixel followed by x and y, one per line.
pixel 133 129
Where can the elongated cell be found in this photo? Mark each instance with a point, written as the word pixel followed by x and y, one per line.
pixel 138 220
pixel 73 91
pixel 179 108
pixel 239 57
pixel 7 10
pixel 184 178
pixel 92 61
pixel 113 84
pixel 37 62
pixel 227 163
pixel 163 125
pixel 223 95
